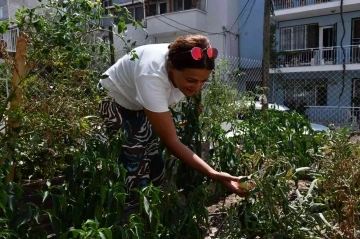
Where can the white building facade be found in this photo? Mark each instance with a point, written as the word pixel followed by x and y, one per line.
pixel 165 20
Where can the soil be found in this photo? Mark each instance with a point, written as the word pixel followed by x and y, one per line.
pixel 217 215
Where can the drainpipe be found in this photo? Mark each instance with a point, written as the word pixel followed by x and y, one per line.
pixel 238 43
pixel 144 10
pixel 224 39
pixel 8 5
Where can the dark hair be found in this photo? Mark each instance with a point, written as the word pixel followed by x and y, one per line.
pixel 180 56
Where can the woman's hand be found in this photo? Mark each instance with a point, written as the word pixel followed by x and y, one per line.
pixel 231 182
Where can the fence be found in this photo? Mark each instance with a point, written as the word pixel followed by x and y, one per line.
pixel 286 4
pixel 325 94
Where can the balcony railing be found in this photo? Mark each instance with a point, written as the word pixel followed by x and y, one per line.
pixel 9 39
pixel 286 4
pixel 320 56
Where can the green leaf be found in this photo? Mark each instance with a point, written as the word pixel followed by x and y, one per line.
pixel 324 220
pixel 311 188
pixel 12 203
pixel 102 235
pixel 65 235
pixel 140 24
pixel 302 169
pixel 46 194
pixel 117 7
pixel 36 214
pixel 38 25
pixel 45 51
pixel 19 192
pixel 3 198
pixel 5 233
pixel 55 223
pixel 4 27
pixel 121 25
pixel 98 211
pixel 77 232
pixel 147 208
pixel 107 232
pixel 104 76
pixel 2 220
pixel 23 218
pixel 92 224
pixel 103 191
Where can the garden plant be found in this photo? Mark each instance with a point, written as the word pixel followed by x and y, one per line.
pixel 68 183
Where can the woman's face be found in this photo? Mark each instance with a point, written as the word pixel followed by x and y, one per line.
pixel 189 81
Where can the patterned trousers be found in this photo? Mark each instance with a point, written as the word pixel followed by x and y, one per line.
pixel 140 152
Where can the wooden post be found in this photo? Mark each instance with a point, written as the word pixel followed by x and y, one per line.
pixel 16 100
pixel 148 8
pixel 170 6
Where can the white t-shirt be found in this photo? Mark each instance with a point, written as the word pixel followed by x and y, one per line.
pixel 142 83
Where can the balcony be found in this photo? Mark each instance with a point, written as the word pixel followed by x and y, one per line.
pixel 320 59
pixel 296 9
pixel 185 20
pixel 9 39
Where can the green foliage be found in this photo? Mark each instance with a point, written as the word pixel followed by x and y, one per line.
pixel 18 220
pixel 90 229
pixel 60 132
pixel 220 98
pixel 190 134
pixel 60 95
pixel 93 188
pixel 270 213
pixel 273 43
pixel 339 186
pixel 277 133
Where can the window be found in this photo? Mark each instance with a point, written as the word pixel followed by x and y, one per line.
pixel 299 37
pixel 356 31
pixel 152 10
pixel 136 12
pixel 286 36
pixel 156 8
pixel 162 8
pixel 306 92
pixel 1 12
pixel 321 95
pixel 180 5
pixel 106 4
pixel 355 41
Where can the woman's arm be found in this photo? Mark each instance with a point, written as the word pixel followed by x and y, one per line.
pixel 165 129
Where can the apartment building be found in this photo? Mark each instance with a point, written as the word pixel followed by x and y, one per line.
pixel 165 20
pixel 8 9
pixel 318 65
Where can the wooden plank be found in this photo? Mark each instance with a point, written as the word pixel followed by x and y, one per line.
pixel 16 101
